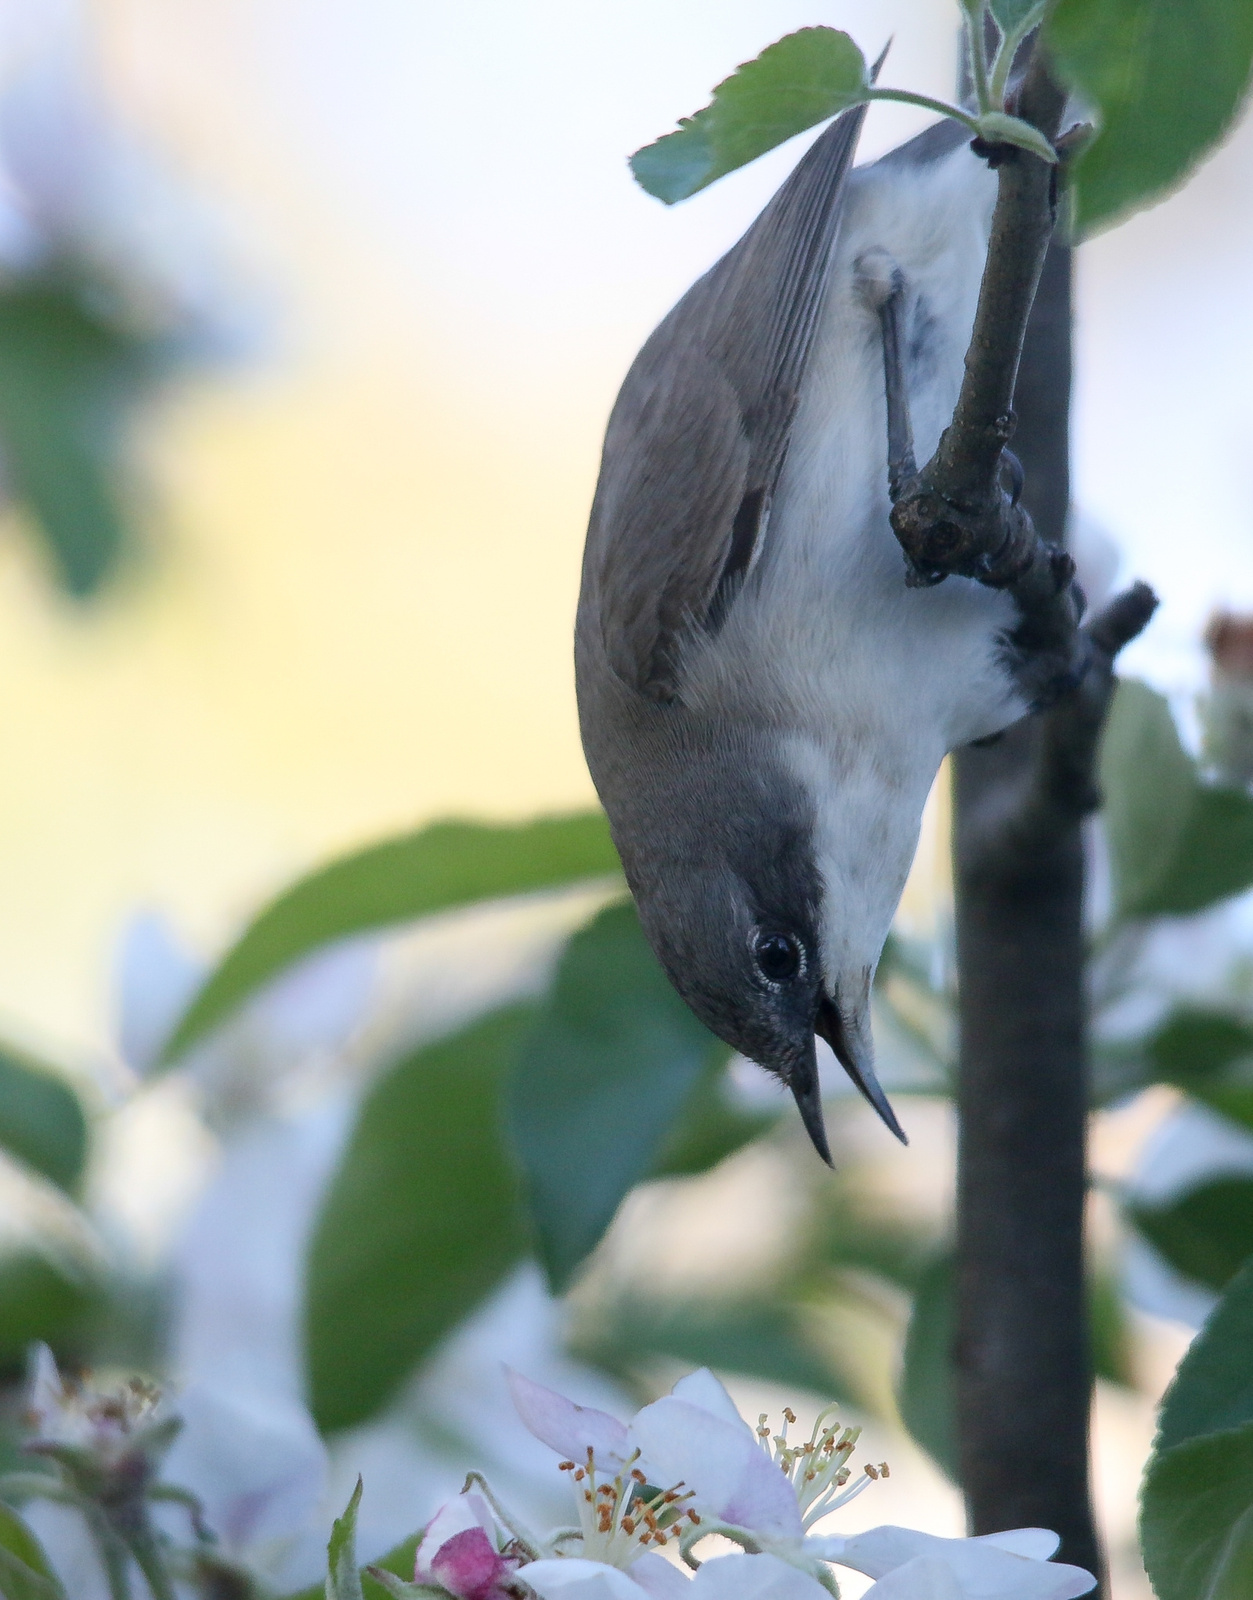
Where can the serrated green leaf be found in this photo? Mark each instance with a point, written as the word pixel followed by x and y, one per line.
pixel 1213 1387
pixel 42 1121
pixel 1011 14
pixel 343 1581
pixel 67 379
pixel 447 865
pixel 1176 845
pixel 925 1394
pixel 25 1571
pixel 420 1221
pixel 601 1084
pixel 1206 1234
pixel 1196 1518
pixel 1168 80
pixel 792 85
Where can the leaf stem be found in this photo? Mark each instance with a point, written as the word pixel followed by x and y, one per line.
pixel 1007 50
pixel 974 10
pixel 908 98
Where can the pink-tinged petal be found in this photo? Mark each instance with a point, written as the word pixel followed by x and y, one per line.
pixel 741 1577
pixel 660 1579
pixel 701 1388
pixel 572 1578
pixel 1037 1543
pixel 923 1578
pixel 730 1476
pixel 469 1566
pixel 568 1429
pixel 463 1515
pixel 983 1569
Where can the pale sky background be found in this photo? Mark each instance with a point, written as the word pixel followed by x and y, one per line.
pixel 366 541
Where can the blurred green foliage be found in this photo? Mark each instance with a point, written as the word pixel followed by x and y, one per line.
pixel 42 1120
pixel 1196 1514
pixel 1167 81
pixel 439 868
pixel 420 1222
pixel 68 379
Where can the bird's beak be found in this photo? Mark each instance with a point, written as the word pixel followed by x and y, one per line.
pixel 852 1051
pixel 802 1080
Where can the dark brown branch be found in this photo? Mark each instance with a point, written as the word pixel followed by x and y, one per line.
pixel 955 515
pixel 1057 789
pixel 1023 1367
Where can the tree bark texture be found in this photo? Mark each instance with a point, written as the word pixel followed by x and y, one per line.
pixel 1023 1369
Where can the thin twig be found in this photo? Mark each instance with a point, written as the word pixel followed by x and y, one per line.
pixel 955 515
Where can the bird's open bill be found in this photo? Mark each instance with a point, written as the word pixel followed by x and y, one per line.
pixel 804 1083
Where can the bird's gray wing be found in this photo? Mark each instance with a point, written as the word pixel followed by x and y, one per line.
pixel 701 426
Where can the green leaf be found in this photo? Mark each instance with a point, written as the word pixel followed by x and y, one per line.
pixel 612 1063
pixel 66 380
pixel 1213 1388
pixel 762 1338
pixel 419 1223
pixel 20 1582
pixel 1206 1234
pixel 1214 856
pixel 399 1561
pixel 1210 1056
pixel 40 1300
pixel 1149 785
pixel 447 865
pixel 25 1571
pixel 1168 80
pixel 42 1121
pixel 1176 845
pixel 793 84
pixel 925 1389
pixel 343 1581
pixel 1196 1518
pixel 1011 14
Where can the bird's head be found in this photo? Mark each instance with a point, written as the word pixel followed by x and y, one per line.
pixel 770 939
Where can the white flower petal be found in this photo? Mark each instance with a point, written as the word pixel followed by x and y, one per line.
pixel 701 1388
pixel 660 1579
pixel 255 1460
pixel 572 1578
pixel 984 1569
pixel 923 1578
pixel 46 1394
pixel 743 1577
pixel 730 1475
pixel 569 1429
pixel 1038 1543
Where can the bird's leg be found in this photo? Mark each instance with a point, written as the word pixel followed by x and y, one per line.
pixel 882 284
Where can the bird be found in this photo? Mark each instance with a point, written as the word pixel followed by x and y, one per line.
pixel 764 701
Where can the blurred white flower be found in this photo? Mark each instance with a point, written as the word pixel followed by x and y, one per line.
pixel 76 189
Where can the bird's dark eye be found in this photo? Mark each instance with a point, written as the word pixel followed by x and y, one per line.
pixel 779 956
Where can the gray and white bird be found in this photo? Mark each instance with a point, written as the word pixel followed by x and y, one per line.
pixel 764 702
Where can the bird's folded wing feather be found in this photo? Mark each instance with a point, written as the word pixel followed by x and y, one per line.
pixel 701 427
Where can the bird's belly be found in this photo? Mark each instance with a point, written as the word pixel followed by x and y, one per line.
pixel 825 627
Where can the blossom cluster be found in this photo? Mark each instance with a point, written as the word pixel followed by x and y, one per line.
pixel 687 1467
